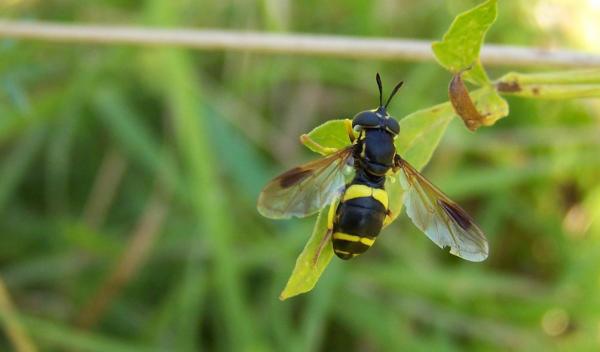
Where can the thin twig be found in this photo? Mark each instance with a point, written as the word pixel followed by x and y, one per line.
pixel 14 330
pixel 141 240
pixel 105 187
pixel 316 45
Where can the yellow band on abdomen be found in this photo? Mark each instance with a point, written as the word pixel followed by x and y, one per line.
pixel 367 241
pixel 381 196
pixel 362 191
pixel 345 237
pixel 357 191
pixel 353 238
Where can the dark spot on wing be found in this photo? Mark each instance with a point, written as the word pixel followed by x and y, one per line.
pixel 457 214
pixel 293 176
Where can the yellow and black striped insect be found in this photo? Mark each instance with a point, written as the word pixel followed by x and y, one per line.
pixel 360 208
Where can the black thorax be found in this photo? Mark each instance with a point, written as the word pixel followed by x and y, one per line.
pixel 374 155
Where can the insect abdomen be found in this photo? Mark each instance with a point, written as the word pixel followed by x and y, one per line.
pixel 358 220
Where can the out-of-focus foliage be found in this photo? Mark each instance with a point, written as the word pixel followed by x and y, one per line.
pixel 112 152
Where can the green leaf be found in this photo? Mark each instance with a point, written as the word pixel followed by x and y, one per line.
pixel 306 273
pixel 331 134
pixel 587 76
pixel 459 49
pixel 490 104
pixel 558 91
pixel 420 133
pixel 551 85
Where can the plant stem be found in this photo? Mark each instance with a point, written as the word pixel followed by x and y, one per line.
pixel 273 43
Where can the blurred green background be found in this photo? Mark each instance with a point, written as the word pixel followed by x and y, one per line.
pixel 129 175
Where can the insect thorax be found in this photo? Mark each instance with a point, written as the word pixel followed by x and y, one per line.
pixel 375 152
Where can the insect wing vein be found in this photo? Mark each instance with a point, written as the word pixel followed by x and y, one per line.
pixel 305 189
pixel 442 220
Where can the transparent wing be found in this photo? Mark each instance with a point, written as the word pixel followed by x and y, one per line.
pixel 442 220
pixel 305 189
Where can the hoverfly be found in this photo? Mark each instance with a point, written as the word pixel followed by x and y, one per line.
pixel 359 209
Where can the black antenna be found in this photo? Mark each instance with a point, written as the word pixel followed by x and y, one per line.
pixel 378 79
pixel 394 91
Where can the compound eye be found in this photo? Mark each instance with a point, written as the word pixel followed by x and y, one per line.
pixel 392 125
pixel 366 119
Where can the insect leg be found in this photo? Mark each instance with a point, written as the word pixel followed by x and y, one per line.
pixel 327 238
pixel 397 163
pixel 306 140
pixel 388 218
pixel 331 214
pixel 324 242
pixel 348 124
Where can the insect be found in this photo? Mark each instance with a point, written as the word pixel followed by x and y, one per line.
pixel 360 208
